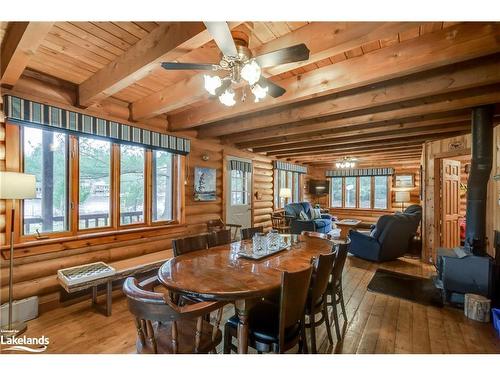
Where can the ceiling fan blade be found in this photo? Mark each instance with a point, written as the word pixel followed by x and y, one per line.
pixel 222 36
pixel 274 90
pixel 286 55
pixel 188 66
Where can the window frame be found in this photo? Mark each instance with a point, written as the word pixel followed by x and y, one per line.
pixel 289 181
pixel 15 162
pixel 358 192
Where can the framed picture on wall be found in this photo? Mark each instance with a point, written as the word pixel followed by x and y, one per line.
pixel 205 184
pixel 404 181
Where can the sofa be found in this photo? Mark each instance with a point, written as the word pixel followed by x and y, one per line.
pixel 390 238
pixel 297 225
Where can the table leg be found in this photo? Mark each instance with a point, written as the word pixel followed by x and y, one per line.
pixel 94 295
pixel 109 297
pixel 242 308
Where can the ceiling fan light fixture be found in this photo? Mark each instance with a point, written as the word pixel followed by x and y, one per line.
pixel 227 98
pixel 259 92
pixel 212 83
pixel 251 72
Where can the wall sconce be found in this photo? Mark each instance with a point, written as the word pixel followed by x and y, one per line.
pixel 205 157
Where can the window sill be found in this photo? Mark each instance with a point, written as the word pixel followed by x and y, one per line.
pixel 27 244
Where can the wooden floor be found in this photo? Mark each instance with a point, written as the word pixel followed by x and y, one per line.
pixel 377 323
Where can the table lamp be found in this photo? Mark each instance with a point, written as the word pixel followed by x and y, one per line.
pixel 285 193
pixel 402 197
pixel 14 186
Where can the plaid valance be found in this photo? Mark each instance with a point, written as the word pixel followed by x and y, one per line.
pixel 360 172
pixel 278 164
pixel 26 112
pixel 238 165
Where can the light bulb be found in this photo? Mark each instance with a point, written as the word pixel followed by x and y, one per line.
pixel 259 92
pixel 251 72
pixel 212 83
pixel 227 98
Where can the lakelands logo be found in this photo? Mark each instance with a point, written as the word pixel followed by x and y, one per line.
pixel 23 343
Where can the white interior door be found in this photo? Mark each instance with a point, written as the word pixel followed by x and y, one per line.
pixel 238 195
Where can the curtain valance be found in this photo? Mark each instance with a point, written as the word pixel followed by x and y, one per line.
pixel 278 164
pixel 26 112
pixel 238 165
pixel 360 172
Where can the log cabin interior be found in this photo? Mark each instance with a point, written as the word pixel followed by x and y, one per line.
pixel 250 187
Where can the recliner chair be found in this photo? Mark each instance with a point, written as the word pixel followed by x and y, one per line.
pixel 390 238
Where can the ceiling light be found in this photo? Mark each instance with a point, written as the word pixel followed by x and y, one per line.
pixel 227 98
pixel 251 72
pixel 259 92
pixel 212 83
pixel 346 162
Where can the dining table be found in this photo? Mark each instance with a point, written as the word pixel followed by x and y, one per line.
pixel 221 273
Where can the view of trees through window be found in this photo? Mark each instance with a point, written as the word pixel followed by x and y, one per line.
pixel 239 187
pixel 162 186
pixel 94 183
pixel 46 157
pixel 131 184
pixel 367 192
pixel 286 179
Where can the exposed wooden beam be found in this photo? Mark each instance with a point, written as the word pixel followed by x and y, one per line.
pixel 323 150
pixel 393 113
pixel 167 42
pixel 385 135
pixel 18 47
pixel 457 43
pixel 355 130
pixel 323 39
pixel 440 81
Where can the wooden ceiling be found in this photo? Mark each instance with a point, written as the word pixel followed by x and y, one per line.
pixel 375 91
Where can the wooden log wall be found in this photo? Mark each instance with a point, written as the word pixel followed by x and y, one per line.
pixel 36 266
pixel 314 174
pixel 2 168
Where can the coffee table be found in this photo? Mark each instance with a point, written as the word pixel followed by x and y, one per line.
pixel 345 225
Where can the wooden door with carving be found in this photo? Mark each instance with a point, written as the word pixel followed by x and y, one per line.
pixel 450 203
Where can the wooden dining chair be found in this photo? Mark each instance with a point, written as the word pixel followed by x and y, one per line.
pixel 276 327
pixel 317 297
pixel 247 233
pixel 216 225
pixel 335 286
pixel 221 237
pixel 188 244
pixel 280 223
pixel 164 327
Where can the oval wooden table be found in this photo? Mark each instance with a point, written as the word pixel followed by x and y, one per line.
pixel 218 273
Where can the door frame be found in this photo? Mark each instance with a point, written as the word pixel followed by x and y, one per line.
pixel 225 188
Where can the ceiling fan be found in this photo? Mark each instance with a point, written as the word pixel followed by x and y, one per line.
pixel 237 59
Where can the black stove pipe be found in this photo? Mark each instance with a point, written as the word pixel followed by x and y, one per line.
pixel 481 164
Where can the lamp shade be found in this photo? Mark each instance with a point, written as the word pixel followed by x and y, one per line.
pixel 402 196
pixel 285 193
pixel 14 185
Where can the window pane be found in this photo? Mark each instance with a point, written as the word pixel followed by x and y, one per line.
pixel 365 188
pixel 46 157
pixel 350 192
pixel 162 186
pixel 380 192
pixel 131 184
pixel 296 187
pixel 94 183
pixel 336 192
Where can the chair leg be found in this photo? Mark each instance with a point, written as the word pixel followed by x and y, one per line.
pixel 327 322
pixel 336 320
pixel 341 297
pixel 227 340
pixel 312 329
pixel 303 340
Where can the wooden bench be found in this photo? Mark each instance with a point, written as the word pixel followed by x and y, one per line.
pixel 123 269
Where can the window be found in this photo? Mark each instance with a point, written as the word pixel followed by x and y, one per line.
pixel 94 204
pixel 131 184
pixel 381 192
pixel 336 192
pixel 162 186
pixel 289 180
pixel 350 192
pixel 45 155
pixel 239 187
pixel 365 192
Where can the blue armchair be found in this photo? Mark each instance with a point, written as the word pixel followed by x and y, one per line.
pixel 292 210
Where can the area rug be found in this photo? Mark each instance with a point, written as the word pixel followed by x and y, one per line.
pixel 411 288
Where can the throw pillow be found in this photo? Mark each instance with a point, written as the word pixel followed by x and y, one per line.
pixel 315 213
pixel 303 216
